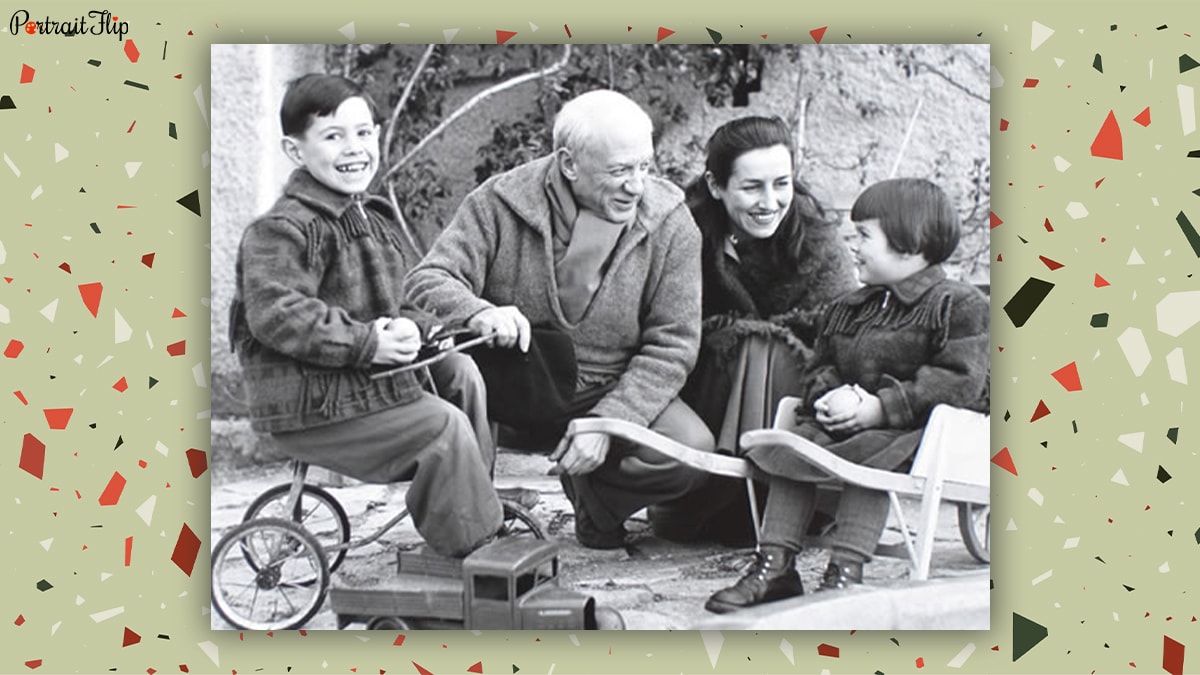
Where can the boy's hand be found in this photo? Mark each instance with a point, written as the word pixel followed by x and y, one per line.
pixel 868 414
pixel 399 341
pixel 507 323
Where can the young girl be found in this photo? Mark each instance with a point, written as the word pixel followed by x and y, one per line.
pixel 886 355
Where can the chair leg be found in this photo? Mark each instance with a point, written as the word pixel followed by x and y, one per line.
pixel 757 520
pixel 904 531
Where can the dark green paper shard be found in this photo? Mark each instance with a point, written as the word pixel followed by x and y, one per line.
pixel 1026 301
pixel 1026 635
pixel 190 201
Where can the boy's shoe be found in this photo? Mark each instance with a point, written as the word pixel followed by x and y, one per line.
pixel 523 497
pixel 586 531
pixel 840 575
pixel 774 577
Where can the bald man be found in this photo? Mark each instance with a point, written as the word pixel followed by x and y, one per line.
pixel 586 241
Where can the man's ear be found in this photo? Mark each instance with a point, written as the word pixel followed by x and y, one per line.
pixel 713 188
pixel 566 164
pixel 292 149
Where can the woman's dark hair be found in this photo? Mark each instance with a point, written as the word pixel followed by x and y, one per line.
pixel 317 95
pixel 915 215
pixel 732 140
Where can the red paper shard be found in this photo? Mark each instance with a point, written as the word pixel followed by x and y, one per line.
pixel 33 456
pixel 66 267
pixel 13 350
pixel 818 33
pixel 1068 377
pixel 131 638
pixel 920 662
pixel 1099 182
pixel 1040 412
pixel 477 668
pixel 664 33
pixel 20 619
pixel 1004 460
pixel 112 491
pixel 186 548
pixel 421 670
pixel 34 664
pixel 177 348
pixel 148 260
pixel 1108 140
pixel 503 36
pixel 996 219
pixel 121 385
pixel 1052 264
pixel 568 29
pixel 91 296
pixel 824 649
pixel 399 641
pixel 177 314
pixel 1003 124
pixel 1143 117
pixel 128 550
pixel 197 462
pixel 131 51
pixel 20 397
pixel 1048 226
pixel 1172 656
pixel 1100 282
pixel 57 418
pixel 26 73
pixel 1030 83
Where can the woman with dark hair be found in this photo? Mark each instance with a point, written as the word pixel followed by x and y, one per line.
pixel 771 261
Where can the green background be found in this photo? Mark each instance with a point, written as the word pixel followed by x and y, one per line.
pixel 1095 541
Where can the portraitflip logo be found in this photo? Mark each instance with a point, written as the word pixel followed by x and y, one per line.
pixel 95 22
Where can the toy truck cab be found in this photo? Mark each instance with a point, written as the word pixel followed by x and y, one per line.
pixel 513 583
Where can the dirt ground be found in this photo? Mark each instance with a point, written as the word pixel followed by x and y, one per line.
pixel 655 584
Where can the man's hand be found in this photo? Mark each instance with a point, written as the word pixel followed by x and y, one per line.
pixel 507 323
pixel 584 454
pixel 399 341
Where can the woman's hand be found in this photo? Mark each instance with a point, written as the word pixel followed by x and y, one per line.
pixel 399 341
pixel 849 409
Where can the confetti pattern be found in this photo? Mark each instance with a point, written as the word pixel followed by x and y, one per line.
pixel 103 261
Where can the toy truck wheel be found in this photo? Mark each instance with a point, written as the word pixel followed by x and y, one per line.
pixel 975 524
pixel 387 623
pixel 519 522
pixel 318 512
pixel 268 574
pixel 608 618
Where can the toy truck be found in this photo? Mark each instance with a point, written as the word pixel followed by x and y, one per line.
pixel 511 583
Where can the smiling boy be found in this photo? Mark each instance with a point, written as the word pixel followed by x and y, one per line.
pixel 318 304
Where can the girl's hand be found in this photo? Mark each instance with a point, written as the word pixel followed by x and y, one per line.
pixel 399 341
pixel 838 404
pixel 866 414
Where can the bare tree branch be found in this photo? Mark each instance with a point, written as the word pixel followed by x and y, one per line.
pixel 475 100
pixel 408 235
pixel 408 89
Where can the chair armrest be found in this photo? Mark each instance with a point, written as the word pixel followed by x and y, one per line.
pixel 710 462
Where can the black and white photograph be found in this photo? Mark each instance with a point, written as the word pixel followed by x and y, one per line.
pixel 600 336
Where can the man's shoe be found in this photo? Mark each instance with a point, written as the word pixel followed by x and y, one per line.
pixel 586 531
pixel 774 577
pixel 840 575
pixel 523 497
